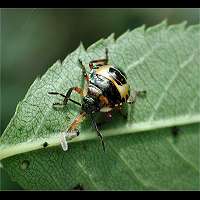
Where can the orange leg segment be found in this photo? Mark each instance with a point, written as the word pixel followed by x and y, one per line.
pixel 76 122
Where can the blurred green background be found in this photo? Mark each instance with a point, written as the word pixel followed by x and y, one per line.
pixel 33 39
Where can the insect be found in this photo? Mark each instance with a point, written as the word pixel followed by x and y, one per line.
pixel 105 89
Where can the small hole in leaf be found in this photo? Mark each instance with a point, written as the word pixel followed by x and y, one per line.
pixel 78 187
pixel 175 131
pixel 25 164
pixel 45 144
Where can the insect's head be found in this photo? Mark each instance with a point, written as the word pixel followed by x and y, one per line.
pixel 90 105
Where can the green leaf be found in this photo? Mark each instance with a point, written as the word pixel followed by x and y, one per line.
pixel 141 152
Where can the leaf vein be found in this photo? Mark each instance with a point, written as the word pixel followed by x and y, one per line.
pixel 170 82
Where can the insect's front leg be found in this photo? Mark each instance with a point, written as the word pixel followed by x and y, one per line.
pixel 132 98
pixel 72 131
pixel 67 96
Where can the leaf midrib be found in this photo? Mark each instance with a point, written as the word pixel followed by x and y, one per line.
pixel 7 150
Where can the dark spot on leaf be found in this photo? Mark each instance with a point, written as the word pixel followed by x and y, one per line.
pixel 175 131
pixel 45 144
pixel 78 187
pixel 142 93
pixel 25 164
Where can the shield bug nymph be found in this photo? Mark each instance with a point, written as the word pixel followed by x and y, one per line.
pixel 106 89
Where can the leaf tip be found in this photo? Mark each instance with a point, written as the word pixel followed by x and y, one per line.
pixel 140 29
pixel 123 35
pixel 100 41
pixel 158 27
pixel 164 22
pixel 194 28
pixel 81 46
pixel 178 27
pixel 58 62
pixel 111 37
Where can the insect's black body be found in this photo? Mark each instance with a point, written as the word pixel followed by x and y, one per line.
pixel 90 104
pixel 105 90
pixel 100 86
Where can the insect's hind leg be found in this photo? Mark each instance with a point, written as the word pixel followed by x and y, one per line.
pixel 67 96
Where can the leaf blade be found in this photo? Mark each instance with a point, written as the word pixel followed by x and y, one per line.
pixel 162 60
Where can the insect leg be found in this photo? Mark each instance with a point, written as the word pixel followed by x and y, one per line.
pixel 86 77
pixel 66 97
pixel 99 62
pixel 132 98
pixel 76 89
pixel 76 122
pixel 120 110
pixel 84 71
pixel 98 132
pixel 108 115
pixel 72 131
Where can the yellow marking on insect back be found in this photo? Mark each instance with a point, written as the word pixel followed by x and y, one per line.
pixel 103 70
pixel 123 89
